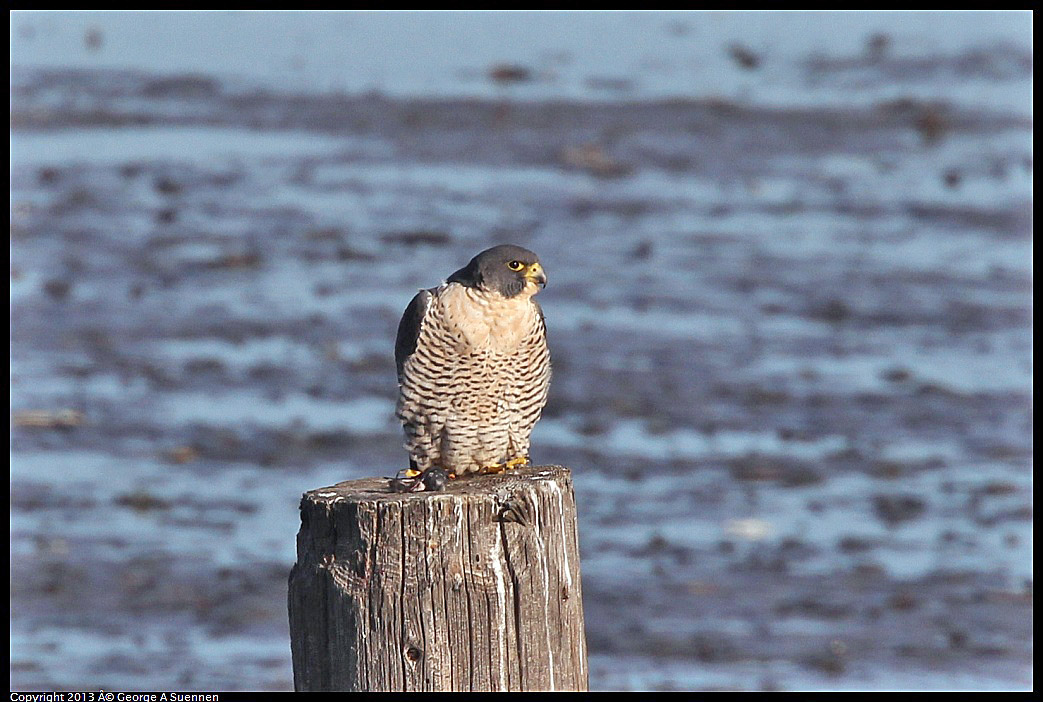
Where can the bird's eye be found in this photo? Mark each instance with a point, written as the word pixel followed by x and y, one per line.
pixel 516 265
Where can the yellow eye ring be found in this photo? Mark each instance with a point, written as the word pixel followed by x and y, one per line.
pixel 516 265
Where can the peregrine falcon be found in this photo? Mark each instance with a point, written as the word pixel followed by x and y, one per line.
pixel 473 369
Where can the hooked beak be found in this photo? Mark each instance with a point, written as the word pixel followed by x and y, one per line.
pixel 535 274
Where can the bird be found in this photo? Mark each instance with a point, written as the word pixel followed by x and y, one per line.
pixel 473 369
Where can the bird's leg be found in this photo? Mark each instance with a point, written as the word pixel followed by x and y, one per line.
pixel 503 467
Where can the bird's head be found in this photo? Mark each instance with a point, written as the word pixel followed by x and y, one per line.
pixel 506 269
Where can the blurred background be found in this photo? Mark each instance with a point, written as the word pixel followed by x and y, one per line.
pixel 789 308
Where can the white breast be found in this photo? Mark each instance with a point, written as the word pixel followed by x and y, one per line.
pixel 486 321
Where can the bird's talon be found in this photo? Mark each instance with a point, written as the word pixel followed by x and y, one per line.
pixel 433 480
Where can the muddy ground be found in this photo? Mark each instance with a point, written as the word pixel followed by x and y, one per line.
pixel 792 353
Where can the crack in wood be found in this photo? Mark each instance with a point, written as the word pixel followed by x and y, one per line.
pixel 447 591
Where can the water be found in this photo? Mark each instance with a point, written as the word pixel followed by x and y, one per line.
pixel 824 58
pixel 789 310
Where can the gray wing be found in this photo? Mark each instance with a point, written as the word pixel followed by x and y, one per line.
pixel 409 328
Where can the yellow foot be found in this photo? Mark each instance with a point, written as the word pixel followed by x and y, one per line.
pixel 501 467
pixel 411 473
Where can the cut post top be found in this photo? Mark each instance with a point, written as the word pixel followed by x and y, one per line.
pixel 379 489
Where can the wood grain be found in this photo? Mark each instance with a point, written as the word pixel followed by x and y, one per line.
pixel 473 589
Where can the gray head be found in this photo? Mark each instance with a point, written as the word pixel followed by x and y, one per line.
pixel 506 269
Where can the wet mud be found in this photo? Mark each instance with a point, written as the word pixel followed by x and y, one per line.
pixel 792 356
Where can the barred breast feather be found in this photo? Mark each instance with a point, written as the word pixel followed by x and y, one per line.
pixel 473 372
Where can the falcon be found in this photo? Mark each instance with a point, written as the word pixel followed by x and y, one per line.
pixel 473 369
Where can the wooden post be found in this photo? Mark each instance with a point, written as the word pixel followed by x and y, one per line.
pixel 474 588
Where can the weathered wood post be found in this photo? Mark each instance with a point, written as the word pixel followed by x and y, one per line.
pixel 474 588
